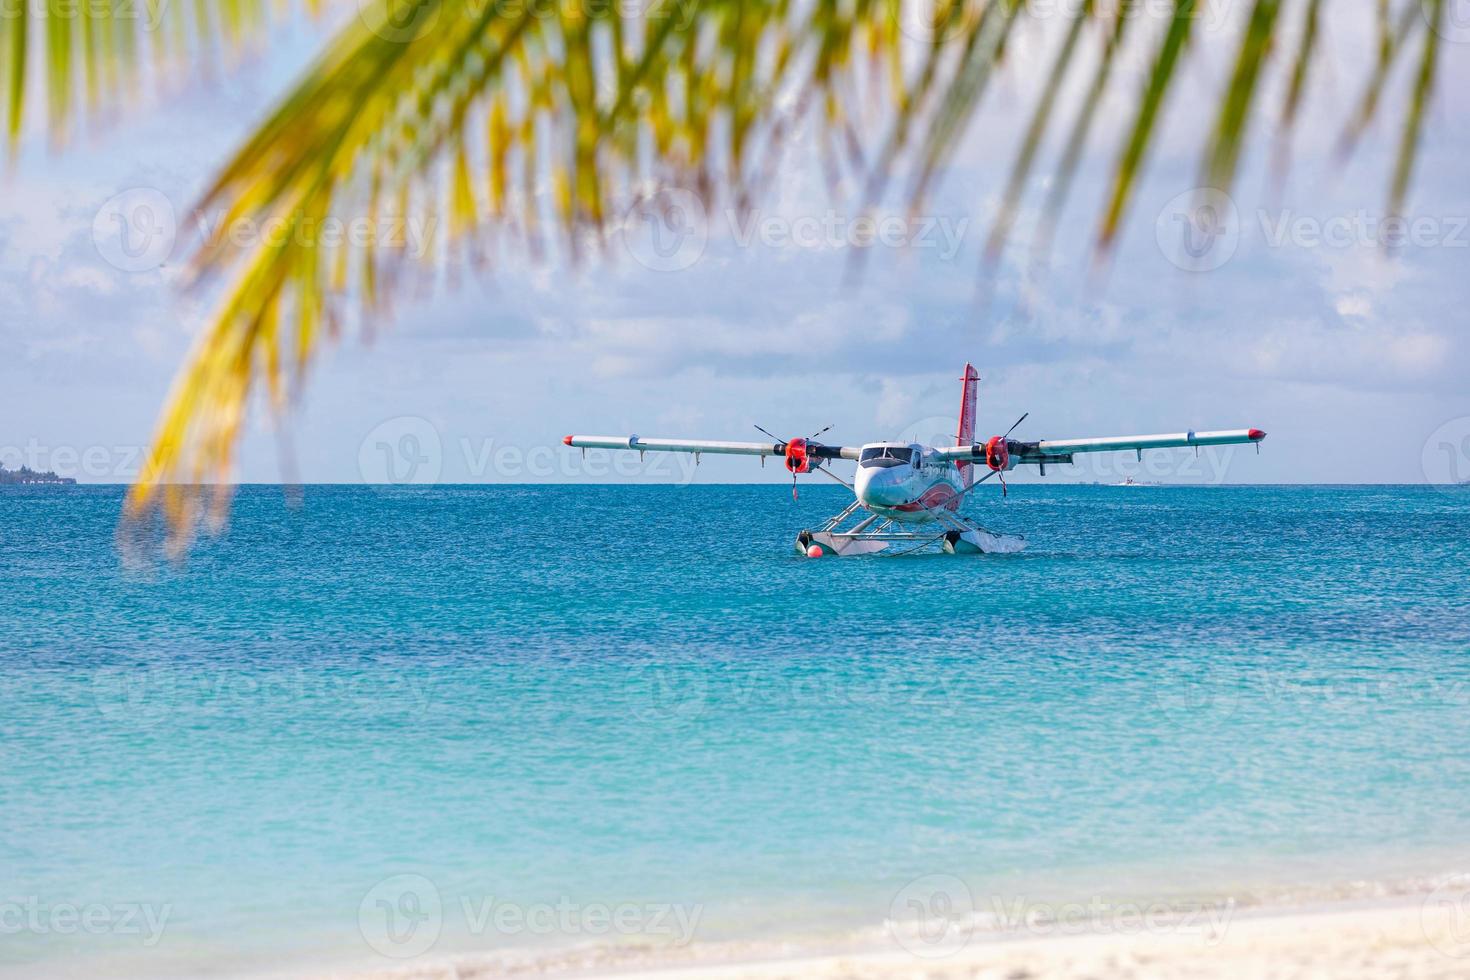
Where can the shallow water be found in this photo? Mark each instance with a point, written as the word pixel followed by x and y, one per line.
pixel 484 716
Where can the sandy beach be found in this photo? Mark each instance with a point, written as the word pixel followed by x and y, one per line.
pixel 1385 942
pixel 1407 940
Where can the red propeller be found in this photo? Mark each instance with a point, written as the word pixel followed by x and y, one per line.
pixel 801 455
pixel 998 455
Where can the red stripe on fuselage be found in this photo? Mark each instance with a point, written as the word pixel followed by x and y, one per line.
pixel 939 495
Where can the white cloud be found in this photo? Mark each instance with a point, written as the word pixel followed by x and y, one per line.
pixel 895 403
pixel 1355 304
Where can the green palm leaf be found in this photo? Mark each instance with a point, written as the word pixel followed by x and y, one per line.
pixel 1130 160
pixel 1418 101
pixel 96 54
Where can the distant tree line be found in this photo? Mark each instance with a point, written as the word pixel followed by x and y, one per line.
pixel 27 475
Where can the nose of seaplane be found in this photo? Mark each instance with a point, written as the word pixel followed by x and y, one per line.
pixel 881 487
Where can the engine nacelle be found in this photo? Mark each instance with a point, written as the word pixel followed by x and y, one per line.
pixel 798 456
pixel 997 453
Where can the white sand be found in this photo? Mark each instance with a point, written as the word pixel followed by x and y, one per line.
pixel 1419 938
pixel 1396 942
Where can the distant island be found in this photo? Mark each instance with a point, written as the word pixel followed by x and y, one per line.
pixel 26 475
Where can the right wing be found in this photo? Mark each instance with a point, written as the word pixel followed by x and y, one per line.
pixel 1062 450
pixel 639 444
pixel 1171 440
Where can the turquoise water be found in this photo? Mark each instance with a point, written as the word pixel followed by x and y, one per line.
pixel 642 699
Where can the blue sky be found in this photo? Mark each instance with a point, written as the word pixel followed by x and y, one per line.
pixel 1352 359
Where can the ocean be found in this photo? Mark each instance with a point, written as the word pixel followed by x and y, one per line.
pixel 550 726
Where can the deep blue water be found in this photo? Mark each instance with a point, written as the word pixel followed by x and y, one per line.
pixel 642 696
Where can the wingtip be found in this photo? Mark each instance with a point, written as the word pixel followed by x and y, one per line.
pixel 1256 435
pixel 567 440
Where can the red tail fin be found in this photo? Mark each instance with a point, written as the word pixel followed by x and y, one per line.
pixel 966 434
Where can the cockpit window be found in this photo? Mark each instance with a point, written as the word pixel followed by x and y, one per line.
pixel 885 456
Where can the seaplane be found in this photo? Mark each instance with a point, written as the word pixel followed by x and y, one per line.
pixel 907 496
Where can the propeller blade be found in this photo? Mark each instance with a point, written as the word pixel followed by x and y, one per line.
pixel 764 432
pixel 1013 427
pixel 815 434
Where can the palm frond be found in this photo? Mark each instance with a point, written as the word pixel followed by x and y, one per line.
pixel 1414 119
pixel 1297 86
pixel 95 55
pixel 1130 159
pixel 983 45
pixel 15 40
pixel 1056 198
pixel 1229 136
pixel 1011 197
pixel 1392 37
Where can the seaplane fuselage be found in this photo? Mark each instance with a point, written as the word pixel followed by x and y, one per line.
pixel 907 482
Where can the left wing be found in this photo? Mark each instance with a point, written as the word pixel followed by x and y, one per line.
pixel 1061 450
pixel 807 448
